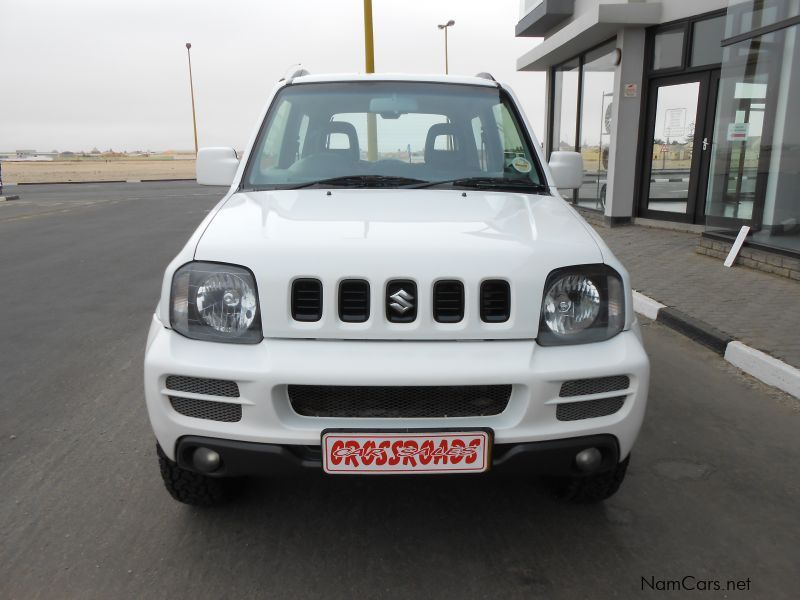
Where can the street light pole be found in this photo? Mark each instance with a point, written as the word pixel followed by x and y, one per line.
pixel 191 90
pixel 450 23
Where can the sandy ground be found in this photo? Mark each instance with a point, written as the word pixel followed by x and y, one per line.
pixel 112 170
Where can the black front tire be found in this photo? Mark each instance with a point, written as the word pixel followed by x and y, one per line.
pixel 193 488
pixel 591 488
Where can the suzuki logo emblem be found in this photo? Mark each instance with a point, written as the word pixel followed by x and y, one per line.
pixel 402 302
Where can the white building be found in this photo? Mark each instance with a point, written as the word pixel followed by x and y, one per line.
pixel 681 108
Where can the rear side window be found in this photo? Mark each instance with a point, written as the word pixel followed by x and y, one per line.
pixel 269 156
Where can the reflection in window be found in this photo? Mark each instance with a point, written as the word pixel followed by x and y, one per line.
pixel 755 168
pixel 595 132
pixel 565 106
pixel 270 152
pixel 565 112
pixel 706 38
pixel 746 15
pixel 672 147
pixel 668 49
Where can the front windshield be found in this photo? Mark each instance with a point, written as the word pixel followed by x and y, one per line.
pixel 389 134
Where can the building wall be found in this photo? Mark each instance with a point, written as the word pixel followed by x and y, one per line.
pixel 625 117
pixel 671 10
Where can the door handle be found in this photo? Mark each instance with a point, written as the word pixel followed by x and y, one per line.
pixel 706 143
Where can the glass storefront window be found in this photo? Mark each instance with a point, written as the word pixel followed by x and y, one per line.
pixel 755 167
pixel 706 38
pixel 565 106
pixel 585 128
pixel 595 127
pixel 746 15
pixel 564 135
pixel 672 147
pixel 668 49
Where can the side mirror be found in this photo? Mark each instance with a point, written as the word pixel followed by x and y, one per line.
pixel 216 166
pixel 567 169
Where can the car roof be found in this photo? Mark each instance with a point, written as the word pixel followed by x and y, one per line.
pixel 427 78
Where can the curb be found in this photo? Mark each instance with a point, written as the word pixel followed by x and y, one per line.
pixel 100 181
pixel 10 197
pixel 160 180
pixel 762 366
pixel 695 329
pixel 69 182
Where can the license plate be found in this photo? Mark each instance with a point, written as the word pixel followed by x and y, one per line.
pixel 356 452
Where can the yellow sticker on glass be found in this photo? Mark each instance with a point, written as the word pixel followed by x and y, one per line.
pixel 521 164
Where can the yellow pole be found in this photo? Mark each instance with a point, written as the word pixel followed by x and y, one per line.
pixel 369 52
pixel 369 49
pixel 191 89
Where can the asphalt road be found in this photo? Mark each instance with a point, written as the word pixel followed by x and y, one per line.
pixel 713 491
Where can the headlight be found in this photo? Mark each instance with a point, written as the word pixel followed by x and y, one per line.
pixel 581 304
pixel 215 302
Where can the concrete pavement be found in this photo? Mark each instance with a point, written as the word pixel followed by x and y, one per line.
pixel 753 307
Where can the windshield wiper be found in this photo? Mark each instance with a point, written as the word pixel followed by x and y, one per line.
pixel 487 183
pixel 360 181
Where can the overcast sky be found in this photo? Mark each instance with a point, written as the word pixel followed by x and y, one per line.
pixel 113 73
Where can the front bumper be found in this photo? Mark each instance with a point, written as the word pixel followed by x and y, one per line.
pixel 552 457
pixel 264 371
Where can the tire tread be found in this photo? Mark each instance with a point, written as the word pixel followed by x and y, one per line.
pixel 192 488
pixel 593 488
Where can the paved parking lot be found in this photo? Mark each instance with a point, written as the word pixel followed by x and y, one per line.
pixel 712 493
pixel 756 308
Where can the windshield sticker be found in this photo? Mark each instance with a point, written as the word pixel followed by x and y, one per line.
pixel 521 164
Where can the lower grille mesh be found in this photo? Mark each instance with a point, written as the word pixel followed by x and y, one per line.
pixel 597 385
pixel 589 409
pixel 393 402
pixel 199 385
pixel 207 409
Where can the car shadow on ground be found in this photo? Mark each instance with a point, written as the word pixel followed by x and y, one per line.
pixel 417 533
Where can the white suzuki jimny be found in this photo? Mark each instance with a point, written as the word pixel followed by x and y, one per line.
pixel 393 285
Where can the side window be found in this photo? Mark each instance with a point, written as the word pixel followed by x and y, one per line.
pixel 271 151
pixel 341 141
pixel 301 135
pixel 338 141
pixel 444 142
pixel 480 142
pixel 508 132
pixel 513 147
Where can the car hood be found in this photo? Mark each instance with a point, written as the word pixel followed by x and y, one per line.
pixel 385 234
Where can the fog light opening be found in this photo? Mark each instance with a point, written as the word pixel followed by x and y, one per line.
pixel 588 460
pixel 206 460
